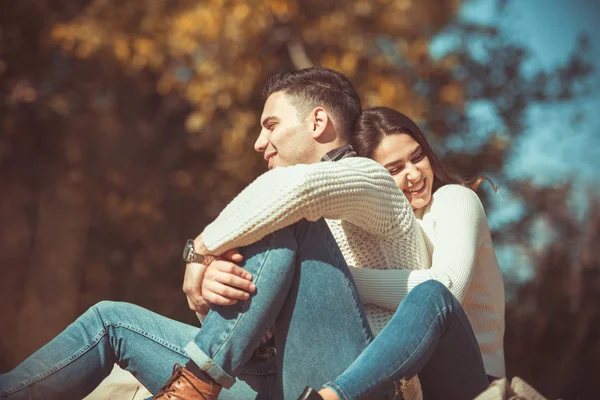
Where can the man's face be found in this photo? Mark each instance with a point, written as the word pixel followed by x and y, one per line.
pixel 285 138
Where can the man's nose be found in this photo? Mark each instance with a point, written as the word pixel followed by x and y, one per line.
pixel 261 142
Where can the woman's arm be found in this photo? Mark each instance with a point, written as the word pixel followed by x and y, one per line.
pixel 460 224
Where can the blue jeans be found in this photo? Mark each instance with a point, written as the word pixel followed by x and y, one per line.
pixel 140 341
pixel 304 290
pixel 429 335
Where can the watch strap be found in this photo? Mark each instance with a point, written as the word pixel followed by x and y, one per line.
pixel 202 259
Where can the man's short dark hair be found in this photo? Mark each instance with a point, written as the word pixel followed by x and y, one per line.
pixel 314 87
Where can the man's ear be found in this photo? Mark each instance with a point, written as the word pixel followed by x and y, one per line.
pixel 319 120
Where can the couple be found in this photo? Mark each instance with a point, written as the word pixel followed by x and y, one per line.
pixel 330 254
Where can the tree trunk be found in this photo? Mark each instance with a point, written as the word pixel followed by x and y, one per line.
pixel 53 280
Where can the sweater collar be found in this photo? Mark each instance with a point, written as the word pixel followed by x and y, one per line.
pixel 338 153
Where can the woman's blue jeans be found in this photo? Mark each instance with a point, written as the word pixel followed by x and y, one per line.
pixel 304 290
pixel 429 335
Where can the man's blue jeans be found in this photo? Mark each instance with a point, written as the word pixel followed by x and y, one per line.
pixel 305 290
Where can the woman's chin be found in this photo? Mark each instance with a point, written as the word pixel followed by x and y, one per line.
pixel 417 204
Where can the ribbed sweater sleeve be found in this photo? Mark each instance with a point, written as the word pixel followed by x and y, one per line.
pixel 458 218
pixel 354 189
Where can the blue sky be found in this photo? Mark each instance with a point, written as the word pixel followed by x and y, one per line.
pixel 553 149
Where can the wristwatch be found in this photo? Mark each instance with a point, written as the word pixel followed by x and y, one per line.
pixel 190 255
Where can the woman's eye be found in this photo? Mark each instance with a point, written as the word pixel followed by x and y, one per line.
pixel 394 171
pixel 418 158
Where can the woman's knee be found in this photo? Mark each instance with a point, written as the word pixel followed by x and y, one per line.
pixel 435 289
pixel 431 286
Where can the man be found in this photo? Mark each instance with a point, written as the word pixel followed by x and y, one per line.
pixel 302 280
pixel 298 262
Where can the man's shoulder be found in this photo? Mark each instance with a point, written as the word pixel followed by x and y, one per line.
pixel 359 160
pixel 355 165
pixel 362 162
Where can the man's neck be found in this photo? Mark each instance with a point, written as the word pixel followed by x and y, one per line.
pixel 337 153
pixel 325 147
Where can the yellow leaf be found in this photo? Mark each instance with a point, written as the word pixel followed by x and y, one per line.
pixel 329 60
pixel 349 62
pixel 121 49
pixel 195 122
pixel 241 11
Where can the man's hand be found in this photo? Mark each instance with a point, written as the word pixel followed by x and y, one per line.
pixel 192 287
pixel 192 281
pixel 225 283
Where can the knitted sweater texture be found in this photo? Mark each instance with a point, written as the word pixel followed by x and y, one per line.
pixel 370 219
pixel 463 259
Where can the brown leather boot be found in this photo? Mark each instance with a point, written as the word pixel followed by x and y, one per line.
pixel 184 385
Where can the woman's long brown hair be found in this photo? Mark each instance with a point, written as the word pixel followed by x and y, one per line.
pixel 375 123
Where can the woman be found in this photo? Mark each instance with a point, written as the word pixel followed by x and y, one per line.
pixel 459 242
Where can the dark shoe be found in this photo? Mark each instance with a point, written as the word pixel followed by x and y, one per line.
pixel 310 394
pixel 184 385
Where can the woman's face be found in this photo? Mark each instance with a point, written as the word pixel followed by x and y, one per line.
pixel 405 159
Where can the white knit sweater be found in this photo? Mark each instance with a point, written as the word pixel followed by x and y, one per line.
pixel 463 259
pixel 370 219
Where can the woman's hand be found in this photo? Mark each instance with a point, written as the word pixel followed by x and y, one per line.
pixel 225 283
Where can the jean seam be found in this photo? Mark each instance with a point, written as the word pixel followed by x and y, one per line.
pixel 106 325
pixel 420 344
pixel 149 336
pixel 453 320
pixel 59 365
pixel 245 308
pixel 327 237
pixel 336 389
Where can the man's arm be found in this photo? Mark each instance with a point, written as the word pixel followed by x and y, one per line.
pixel 357 190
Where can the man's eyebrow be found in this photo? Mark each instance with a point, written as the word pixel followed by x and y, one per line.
pixel 416 150
pixel 267 120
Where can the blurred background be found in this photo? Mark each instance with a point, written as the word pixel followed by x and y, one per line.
pixel 125 127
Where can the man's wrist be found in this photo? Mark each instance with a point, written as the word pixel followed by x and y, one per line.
pixel 191 253
pixel 200 247
pixel 201 315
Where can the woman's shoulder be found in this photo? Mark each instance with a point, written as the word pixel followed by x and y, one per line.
pixel 454 190
pixel 453 197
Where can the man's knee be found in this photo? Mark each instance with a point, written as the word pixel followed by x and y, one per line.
pixel 282 240
pixel 112 310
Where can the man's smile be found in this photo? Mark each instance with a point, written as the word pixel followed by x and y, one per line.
pixel 269 158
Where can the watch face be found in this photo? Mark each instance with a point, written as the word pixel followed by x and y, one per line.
pixel 188 250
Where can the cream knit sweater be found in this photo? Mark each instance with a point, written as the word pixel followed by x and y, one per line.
pixel 370 219
pixel 463 259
